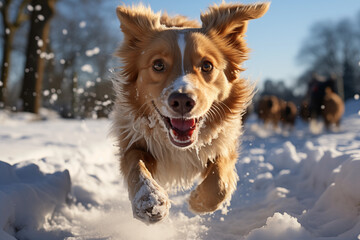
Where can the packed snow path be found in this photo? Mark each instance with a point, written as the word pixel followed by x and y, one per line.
pixel 59 179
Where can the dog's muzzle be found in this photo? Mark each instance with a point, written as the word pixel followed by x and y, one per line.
pixel 183 132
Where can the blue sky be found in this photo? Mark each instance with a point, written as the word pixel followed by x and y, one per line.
pixel 276 38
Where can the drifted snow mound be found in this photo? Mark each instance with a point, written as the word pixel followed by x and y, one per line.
pixel 280 227
pixel 334 181
pixel 28 197
pixel 336 212
pixel 293 186
pixel 285 157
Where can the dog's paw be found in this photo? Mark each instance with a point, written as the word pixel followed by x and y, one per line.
pixel 202 202
pixel 198 204
pixel 151 203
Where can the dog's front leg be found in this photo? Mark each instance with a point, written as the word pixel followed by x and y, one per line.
pixel 218 185
pixel 149 200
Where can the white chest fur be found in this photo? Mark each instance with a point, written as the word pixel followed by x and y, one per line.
pixel 176 168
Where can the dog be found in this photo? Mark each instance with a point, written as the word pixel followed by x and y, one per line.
pixel 269 110
pixel 333 108
pixel 323 101
pixel 178 107
pixel 305 113
pixel 316 93
pixel 288 113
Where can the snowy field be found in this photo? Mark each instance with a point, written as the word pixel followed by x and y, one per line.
pixel 59 179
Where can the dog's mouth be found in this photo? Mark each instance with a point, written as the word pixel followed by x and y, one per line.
pixel 183 132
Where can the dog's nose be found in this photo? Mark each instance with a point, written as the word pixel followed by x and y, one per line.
pixel 181 102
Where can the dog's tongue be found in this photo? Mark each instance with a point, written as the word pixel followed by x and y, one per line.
pixel 183 124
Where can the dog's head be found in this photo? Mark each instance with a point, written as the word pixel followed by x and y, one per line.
pixel 187 75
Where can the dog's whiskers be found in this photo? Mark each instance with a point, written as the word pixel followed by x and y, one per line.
pixel 215 112
pixel 218 111
pixel 221 111
pixel 224 104
pixel 210 114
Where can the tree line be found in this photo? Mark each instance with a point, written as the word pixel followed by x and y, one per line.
pixel 331 50
pixel 57 54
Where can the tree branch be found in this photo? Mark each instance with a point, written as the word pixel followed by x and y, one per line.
pixel 20 15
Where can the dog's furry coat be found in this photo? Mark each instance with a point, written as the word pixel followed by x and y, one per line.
pixel 179 101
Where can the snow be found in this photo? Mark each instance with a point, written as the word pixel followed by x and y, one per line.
pixel 40 43
pixel 53 98
pixel 46 92
pixel 47 56
pixel 59 179
pixel 87 68
pixel 80 91
pixel 92 52
pixel 280 227
pixel 38 8
pixel 41 17
pixel 150 197
pixel 28 197
pixel 30 8
pixel 89 84
pixel 82 24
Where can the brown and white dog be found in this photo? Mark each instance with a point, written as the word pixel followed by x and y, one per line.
pixel 269 110
pixel 179 104
pixel 333 108
pixel 288 113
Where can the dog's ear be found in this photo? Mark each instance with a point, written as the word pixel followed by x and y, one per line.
pixel 230 20
pixel 135 22
pixel 227 23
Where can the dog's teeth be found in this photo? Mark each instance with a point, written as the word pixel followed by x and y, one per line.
pixel 174 135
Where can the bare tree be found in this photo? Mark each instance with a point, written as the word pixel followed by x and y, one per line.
pixel 320 49
pixel 10 25
pixel 334 49
pixel 80 41
pixel 82 37
pixel 37 43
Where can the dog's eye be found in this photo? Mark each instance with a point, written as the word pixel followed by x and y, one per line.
pixel 206 66
pixel 158 65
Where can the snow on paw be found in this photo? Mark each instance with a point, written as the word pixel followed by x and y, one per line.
pixel 151 203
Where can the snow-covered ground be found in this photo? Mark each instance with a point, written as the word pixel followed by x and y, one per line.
pixel 59 179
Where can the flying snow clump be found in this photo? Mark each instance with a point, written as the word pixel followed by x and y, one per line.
pixel 87 68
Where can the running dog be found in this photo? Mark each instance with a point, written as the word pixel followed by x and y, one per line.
pixel 178 107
